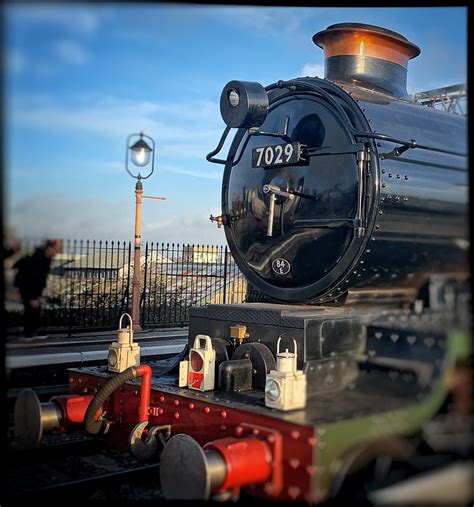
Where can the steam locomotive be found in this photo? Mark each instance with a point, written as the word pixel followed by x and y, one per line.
pixel 344 204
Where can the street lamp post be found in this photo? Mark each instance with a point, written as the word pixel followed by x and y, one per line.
pixel 140 154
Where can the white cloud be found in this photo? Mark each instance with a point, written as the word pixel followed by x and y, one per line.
pixel 118 167
pixel 209 175
pixel 91 219
pixel 267 20
pixel 81 20
pixel 313 69
pixel 71 52
pixel 177 128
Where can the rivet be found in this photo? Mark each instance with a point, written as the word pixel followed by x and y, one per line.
pixel 160 411
pixel 135 392
pixel 380 212
pixel 176 402
pixel 389 175
pixel 162 399
pixel 255 431
pixel 312 441
pixel 383 171
pixel 268 488
pixel 389 196
pixel 397 198
pixel 121 402
pixel 405 199
pixel 295 435
pixel 239 430
pixel 79 381
pixel 406 176
pixel 398 176
pixel 224 414
pixel 207 410
pixel 191 406
pixel 294 491
pixel 294 463
pixel 383 185
pixel 71 380
pixel 271 438
pixel 176 415
pixel 223 427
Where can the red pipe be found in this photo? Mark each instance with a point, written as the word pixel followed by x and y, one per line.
pixel 144 371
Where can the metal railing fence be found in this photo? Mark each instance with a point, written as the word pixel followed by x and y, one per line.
pixel 90 284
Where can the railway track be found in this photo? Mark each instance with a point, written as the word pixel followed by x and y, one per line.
pixel 79 467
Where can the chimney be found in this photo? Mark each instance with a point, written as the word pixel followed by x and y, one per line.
pixel 368 56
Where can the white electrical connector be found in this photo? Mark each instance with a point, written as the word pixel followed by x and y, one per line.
pixel 124 352
pixel 285 387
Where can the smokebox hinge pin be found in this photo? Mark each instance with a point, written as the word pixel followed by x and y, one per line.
pixel 363 158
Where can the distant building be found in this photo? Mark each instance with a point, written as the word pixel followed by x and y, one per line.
pixel 107 265
pixel 200 254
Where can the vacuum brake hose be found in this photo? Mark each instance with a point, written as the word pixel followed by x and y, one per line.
pixel 93 426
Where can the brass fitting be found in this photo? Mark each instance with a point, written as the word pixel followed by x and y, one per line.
pixel 219 220
pixel 239 332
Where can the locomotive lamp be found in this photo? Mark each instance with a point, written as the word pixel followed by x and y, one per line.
pixel 200 369
pixel 285 387
pixel 123 353
pixel 244 104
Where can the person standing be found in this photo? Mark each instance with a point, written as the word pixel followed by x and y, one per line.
pixel 31 280
pixel 13 249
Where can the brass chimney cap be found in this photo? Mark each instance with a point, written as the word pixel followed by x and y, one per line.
pixel 366 40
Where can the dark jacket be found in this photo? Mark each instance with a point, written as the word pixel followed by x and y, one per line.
pixel 32 274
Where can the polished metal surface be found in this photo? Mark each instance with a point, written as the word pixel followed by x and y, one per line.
pixel 28 423
pixel 199 472
pixel 51 416
pixel 421 223
pixel 363 27
pixel 144 449
pixel 368 72
pixel 415 200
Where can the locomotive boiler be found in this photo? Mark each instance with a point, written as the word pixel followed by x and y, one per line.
pixel 344 204
pixel 344 187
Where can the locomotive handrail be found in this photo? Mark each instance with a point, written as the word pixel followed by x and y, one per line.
pixel 347 149
pixel 405 144
pixel 210 155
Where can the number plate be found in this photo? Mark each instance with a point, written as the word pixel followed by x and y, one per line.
pixel 277 154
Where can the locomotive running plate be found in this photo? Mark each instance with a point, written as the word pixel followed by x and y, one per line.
pixel 277 154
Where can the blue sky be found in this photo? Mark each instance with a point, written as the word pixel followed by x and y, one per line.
pixel 79 78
